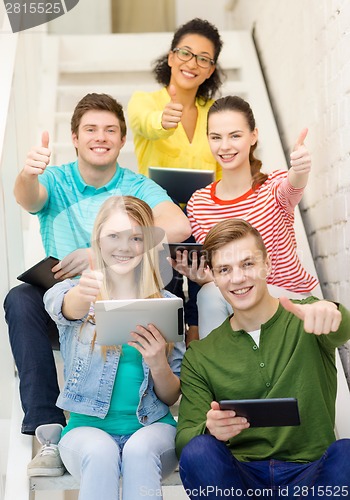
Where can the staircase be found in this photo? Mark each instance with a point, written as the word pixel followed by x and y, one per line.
pixel 119 65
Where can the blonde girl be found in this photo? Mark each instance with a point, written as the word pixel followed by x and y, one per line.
pixel 118 398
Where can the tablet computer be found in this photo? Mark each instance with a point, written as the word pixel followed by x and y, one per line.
pixel 181 183
pixel 116 319
pixel 190 247
pixel 40 274
pixel 265 412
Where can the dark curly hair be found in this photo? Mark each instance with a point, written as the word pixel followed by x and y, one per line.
pixel 235 103
pixel 162 70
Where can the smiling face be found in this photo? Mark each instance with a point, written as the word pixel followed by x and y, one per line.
pixel 240 270
pixel 230 139
pixel 98 140
pixel 121 243
pixel 187 74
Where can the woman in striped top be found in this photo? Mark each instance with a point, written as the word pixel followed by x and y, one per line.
pixel 266 201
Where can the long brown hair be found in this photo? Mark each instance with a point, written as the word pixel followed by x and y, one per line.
pixel 235 103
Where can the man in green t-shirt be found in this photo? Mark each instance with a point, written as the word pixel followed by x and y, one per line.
pixel 268 348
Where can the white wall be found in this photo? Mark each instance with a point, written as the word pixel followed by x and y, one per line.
pixel 215 12
pixel 87 17
pixel 305 50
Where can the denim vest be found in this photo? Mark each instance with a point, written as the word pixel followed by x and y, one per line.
pixel 89 376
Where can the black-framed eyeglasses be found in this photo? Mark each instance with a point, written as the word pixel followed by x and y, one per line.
pixel 186 55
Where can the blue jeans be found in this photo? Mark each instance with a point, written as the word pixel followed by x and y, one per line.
pixel 209 470
pixel 97 460
pixel 31 331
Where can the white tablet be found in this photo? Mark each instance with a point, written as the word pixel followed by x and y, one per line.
pixel 116 319
pixel 181 183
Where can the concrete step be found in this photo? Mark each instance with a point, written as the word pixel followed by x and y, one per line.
pixel 69 95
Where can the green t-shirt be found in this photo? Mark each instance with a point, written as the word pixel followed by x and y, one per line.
pixel 121 418
pixel 289 362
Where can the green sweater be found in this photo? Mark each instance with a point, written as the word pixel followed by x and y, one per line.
pixel 227 364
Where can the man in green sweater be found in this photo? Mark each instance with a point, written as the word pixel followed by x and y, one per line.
pixel 268 348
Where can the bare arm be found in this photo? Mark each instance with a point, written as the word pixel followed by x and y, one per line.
pixel 298 174
pixel 28 191
pixel 171 218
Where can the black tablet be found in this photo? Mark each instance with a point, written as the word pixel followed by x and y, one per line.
pixel 181 183
pixel 190 247
pixel 40 274
pixel 265 412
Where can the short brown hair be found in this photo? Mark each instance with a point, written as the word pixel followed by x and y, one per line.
pixel 98 102
pixel 227 231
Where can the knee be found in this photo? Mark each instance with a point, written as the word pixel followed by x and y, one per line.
pixel 141 451
pixel 13 297
pixel 21 297
pixel 206 294
pixel 97 449
pixel 199 447
pixel 104 456
pixel 340 447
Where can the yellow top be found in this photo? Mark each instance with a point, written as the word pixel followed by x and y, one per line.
pixel 157 147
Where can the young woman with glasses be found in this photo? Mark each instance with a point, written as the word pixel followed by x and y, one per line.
pixel 169 125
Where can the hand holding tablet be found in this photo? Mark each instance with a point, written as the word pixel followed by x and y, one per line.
pixel 265 412
pixel 116 319
pixel 40 274
pixel 190 247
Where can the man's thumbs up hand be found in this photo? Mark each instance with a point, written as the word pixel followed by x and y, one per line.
pixel 320 317
pixel 39 157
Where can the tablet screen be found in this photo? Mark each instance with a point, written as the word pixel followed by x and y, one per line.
pixel 265 412
pixel 190 247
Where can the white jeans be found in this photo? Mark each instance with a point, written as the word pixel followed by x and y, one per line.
pixel 213 308
pixel 97 460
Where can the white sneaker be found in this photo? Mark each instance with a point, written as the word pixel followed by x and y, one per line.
pixel 47 462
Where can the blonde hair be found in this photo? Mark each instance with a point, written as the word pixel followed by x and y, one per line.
pixel 147 274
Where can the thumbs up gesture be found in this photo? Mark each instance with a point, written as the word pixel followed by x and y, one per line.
pixel 172 112
pixel 300 158
pixel 321 317
pixel 39 157
pixel 300 161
